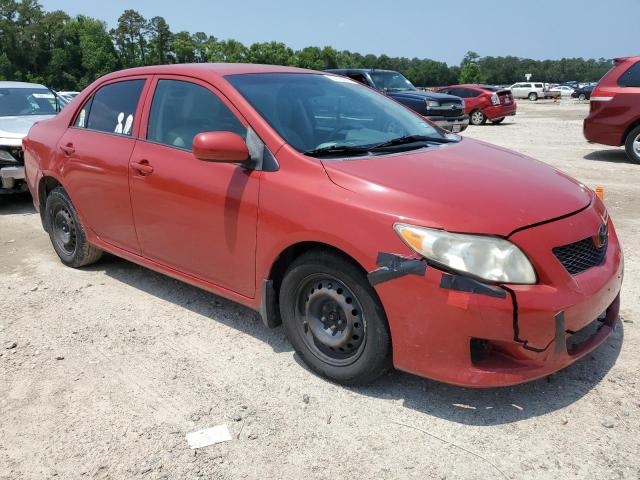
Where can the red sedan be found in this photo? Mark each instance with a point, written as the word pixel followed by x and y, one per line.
pixel 377 239
pixel 483 102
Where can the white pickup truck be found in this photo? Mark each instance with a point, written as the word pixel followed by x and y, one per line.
pixel 21 105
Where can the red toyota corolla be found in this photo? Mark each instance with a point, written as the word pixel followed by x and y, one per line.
pixel 377 239
pixel 484 102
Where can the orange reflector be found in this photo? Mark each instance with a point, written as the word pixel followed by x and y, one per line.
pixel 600 193
pixel 412 239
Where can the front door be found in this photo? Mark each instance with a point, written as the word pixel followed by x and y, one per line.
pixel 197 217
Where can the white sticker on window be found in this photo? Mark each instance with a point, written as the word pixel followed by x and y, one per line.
pixel 43 95
pixel 128 124
pixel 83 115
pixel 119 127
pixel 337 78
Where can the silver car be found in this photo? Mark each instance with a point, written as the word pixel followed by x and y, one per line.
pixel 21 105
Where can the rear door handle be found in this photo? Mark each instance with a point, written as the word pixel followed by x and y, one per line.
pixel 142 167
pixel 68 149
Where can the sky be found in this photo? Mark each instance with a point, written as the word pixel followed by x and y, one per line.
pixel 442 30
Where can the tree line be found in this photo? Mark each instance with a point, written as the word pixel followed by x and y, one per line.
pixel 68 53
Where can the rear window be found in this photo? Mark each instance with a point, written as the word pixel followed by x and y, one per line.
pixel 112 108
pixel 630 78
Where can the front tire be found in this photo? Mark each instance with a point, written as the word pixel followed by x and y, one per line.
pixel 632 145
pixel 496 121
pixel 477 118
pixel 582 97
pixel 334 319
pixel 66 232
pixel 533 97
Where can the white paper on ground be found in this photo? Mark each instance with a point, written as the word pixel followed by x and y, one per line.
pixel 208 436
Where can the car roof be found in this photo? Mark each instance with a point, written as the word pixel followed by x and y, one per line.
pixel 8 84
pixel 206 69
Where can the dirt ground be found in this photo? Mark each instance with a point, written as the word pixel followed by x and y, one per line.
pixel 104 370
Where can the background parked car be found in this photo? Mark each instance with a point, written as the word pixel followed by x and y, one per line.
pixel 68 96
pixel 614 116
pixel 446 111
pixel 483 102
pixel 21 105
pixel 564 90
pixel 583 93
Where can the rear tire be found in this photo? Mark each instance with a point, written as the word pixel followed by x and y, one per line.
pixel 533 97
pixel 632 145
pixel 66 231
pixel 477 118
pixel 582 97
pixel 334 319
pixel 496 121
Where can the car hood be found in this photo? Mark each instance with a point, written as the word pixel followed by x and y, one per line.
pixel 470 186
pixel 18 126
pixel 419 94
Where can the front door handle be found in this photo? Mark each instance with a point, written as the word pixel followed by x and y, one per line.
pixel 142 167
pixel 68 149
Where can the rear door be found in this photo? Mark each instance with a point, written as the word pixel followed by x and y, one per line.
pixel 197 217
pixel 95 152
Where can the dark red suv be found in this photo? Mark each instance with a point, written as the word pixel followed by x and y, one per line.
pixel 614 118
pixel 484 102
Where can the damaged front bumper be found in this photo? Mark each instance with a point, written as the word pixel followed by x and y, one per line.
pixel 467 333
pixel 12 179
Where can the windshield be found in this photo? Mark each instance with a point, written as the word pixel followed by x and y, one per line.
pixel 27 101
pixel 312 111
pixel 391 81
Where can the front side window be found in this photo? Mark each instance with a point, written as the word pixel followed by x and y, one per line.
pixel 314 111
pixel 112 108
pixel 180 110
pixel 27 101
pixel 631 78
pixel 390 81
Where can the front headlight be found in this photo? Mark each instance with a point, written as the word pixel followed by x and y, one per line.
pixel 7 157
pixel 432 104
pixel 489 258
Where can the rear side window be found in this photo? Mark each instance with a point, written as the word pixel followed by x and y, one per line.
pixel 112 108
pixel 180 110
pixel 631 78
pixel 538 85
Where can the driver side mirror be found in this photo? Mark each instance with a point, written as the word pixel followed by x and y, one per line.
pixel 225 147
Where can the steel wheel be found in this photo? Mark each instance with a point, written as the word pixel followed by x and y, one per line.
pixel 64 229
pixel 330 320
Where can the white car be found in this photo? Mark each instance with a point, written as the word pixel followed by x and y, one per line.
pixel 21 105
pixel 531 90
pixel 68 96
pixel 564 90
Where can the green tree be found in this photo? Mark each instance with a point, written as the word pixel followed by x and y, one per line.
pixel 272 53
pixel 160 41
pixel 184 48
pixel 129 37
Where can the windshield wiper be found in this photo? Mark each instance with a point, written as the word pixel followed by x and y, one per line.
pixel 413 139
pixel 336 150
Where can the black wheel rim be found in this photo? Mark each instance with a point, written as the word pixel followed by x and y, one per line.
pixel 330 320
pixel 64 230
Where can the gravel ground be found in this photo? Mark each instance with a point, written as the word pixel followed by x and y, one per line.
pixel 104 370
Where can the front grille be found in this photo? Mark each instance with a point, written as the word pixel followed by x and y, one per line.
pixel 580 256
pixel 450 109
